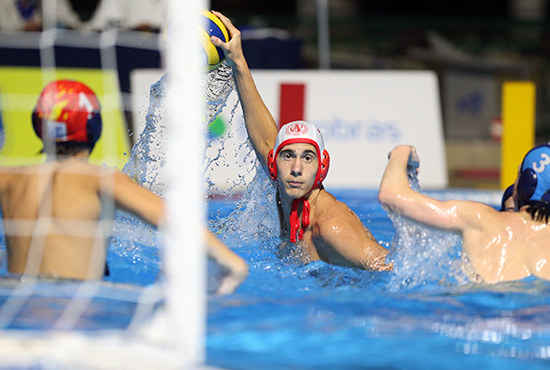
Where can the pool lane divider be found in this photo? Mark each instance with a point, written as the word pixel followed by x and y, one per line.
pixel 518 127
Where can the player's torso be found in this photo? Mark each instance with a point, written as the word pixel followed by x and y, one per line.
pixel 51 219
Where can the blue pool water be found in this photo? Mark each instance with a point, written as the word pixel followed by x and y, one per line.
pixel 287 315
pixel 425 314
pixel 135 263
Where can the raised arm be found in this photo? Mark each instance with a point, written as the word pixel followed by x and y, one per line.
pixel 396 193
pixel 259 122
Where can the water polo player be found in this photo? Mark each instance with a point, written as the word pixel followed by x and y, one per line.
pixel 502 246
pixel 58 215
pixel 313 222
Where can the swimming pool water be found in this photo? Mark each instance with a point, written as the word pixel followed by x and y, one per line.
pixel 424 315
pixel 287 315
pixel 135 262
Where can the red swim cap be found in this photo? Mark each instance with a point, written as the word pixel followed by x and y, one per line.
pixel 67 112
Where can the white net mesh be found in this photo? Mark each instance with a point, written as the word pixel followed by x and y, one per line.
pixel 124 319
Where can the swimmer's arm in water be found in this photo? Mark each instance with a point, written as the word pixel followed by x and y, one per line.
pixel 396 193
pixel 342 239
pixel 235 267
pixel 259 122
pixel 151 208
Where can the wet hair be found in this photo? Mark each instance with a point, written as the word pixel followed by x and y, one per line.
pixel 539 211
pixel 69 149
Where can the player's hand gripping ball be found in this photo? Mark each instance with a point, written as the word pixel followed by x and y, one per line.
pixel 212 26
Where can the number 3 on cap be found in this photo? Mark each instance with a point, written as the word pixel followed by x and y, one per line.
pixel 542 165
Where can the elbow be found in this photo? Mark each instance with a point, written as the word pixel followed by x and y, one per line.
pixel 387 196
pixel 241 270
pixel 158 217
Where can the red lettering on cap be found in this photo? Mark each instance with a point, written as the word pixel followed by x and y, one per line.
pixel 296 129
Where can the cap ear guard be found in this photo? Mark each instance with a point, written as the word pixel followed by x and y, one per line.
pixel 323 167
pixel 37 122
pixel 271 165
pixel 527 184
pixel 94 127
pixel 509 192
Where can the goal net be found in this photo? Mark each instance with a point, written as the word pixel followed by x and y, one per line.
pixel 149 312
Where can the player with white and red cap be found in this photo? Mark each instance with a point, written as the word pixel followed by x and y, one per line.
pixel 304 133
pixel 316 224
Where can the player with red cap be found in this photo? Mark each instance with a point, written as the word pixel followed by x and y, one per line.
pixel 68 112
pixel 55 214
pixel 316 224
pixel 306 133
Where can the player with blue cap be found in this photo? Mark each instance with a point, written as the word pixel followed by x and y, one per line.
pixel 501 246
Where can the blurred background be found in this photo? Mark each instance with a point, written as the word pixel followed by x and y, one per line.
pixel 472 46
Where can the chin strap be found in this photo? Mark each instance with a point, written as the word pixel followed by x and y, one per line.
pixel 295 224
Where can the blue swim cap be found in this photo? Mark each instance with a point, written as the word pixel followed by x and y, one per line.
pixel 534 179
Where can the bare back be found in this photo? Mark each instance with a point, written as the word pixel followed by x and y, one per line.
pixel 502 246
pixel 51 215
pixel 506 246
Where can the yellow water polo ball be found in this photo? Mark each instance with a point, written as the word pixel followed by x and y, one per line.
pixel 212 26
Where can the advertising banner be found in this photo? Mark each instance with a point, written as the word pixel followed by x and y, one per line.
pixel 362 115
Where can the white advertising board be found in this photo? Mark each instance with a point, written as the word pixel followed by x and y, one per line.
pixel 362 116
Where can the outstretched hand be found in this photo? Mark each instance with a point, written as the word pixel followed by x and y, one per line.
pixel 233 48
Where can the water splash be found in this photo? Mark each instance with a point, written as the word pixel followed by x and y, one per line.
pixel 148 155
pixel 254 220
pixel 423 256
pixel 251 184
pixel 217 86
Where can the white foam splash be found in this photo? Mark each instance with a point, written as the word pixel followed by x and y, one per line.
pixel 421 255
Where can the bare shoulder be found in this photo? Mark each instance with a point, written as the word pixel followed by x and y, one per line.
pixel 332 213
pixel 340 237
pixel 15 175
pixel 473 213
pixel 105 178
